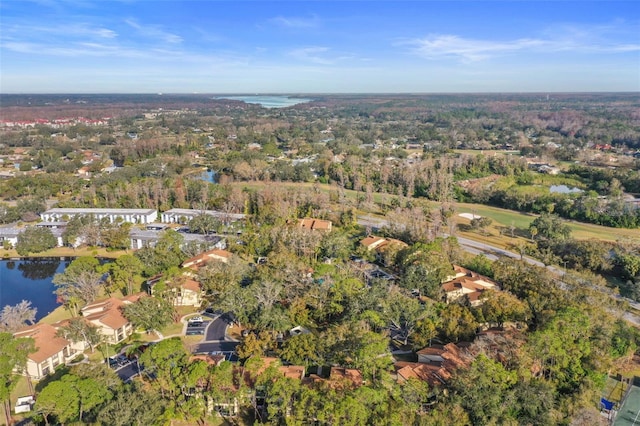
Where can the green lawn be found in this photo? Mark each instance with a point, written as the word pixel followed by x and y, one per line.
pixel 171 329
pixel 503 216
pixel 68 252
pixel 58 314
pixel 520 220
pixel 21 389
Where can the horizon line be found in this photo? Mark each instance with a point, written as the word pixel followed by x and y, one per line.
pixel 317 93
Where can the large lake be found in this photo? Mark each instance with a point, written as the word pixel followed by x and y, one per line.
pixel 30 279
pixel 268 101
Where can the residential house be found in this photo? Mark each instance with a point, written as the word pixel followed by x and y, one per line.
pixel 215 255
pixel 291 371
pixel 187 292
pixel 107 316
pixel 51 350
pixel 436 364
pixel 84 172
pixel 372 242
pixel 9 235
pixel 336 378
pixel 315 224
pixel 385 248
pixel 467 283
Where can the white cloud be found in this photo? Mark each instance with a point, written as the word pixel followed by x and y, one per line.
pixel 569 39
pixel 67 30
pixel 295 22
pixel 437 46
pixel 154 32
pixel 312 54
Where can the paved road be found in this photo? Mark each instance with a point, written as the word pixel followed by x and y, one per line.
pixel 129 371
pixel 217 330
pixel 215 338
pixel 219 346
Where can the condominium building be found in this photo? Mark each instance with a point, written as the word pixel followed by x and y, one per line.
pixel 114 215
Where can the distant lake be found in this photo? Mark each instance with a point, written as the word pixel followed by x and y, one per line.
pixel 268 101
pixel 564 189
pixel 30 279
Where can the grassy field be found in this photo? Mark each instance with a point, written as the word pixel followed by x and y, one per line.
pixel 171 329
pixel 68 252
pixel 21 389
pixel 58 314
pixel 520 220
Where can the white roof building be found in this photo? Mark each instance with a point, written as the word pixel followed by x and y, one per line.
pixel 185 215
pixel 124 215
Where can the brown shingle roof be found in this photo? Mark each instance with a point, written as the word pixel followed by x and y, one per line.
pixel 202 258
pixel 469 282
pixel 371 242
pixel 444 361
pixel 192 285
pixel 292 371
pixel 111 318
pixel 315 224
pixel 108 312
pixel 350 376
pixel 46 342
pixel 433 374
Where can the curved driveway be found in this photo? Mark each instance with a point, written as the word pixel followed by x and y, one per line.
pixel 215 339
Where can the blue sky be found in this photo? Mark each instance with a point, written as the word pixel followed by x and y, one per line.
pixel 78 46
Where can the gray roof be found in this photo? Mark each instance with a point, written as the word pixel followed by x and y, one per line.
pixel 215 213
pixel 97 211
pixel 10 231
pixel 153 235
pixel 52 224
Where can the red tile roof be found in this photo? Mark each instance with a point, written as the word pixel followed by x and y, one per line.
pixel 433 374
pixel 444 361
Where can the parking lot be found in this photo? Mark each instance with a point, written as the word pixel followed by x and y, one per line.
pixel 118 361
pixel 196 328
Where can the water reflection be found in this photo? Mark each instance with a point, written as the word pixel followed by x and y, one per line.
pixel 38 269
pixel 30 279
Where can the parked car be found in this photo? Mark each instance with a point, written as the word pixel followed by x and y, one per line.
pixel 195 319
pixel 122 359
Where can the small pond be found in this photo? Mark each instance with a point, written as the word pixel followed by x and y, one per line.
pixel 564 189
